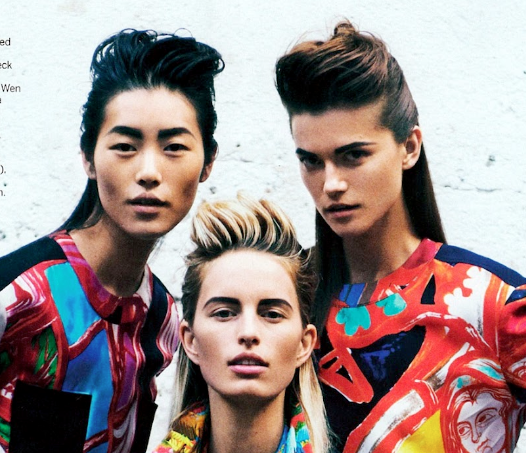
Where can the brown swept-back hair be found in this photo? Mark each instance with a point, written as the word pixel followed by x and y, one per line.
pixel 349 70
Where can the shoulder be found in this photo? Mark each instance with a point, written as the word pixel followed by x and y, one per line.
pixel 158 288
pixel 162 302
pixel 23 259
pixel 455 255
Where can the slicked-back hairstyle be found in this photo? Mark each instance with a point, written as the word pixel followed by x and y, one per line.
pixel 134 59
pixel 246 224
pixel 352 69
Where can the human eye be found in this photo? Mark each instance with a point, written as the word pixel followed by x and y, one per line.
pixel 123 147
pixel 175 148
pixel 273 315
pixel 223 313
pixel 274 312
pixel 353 156
pixel 310 161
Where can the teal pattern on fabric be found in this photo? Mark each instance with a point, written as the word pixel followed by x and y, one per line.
pixel 76 317
pixel 353 319
pixel 392 305
pixel 90 371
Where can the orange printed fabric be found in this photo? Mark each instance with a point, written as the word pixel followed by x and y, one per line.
pixel 430 358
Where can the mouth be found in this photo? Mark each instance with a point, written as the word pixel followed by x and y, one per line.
pixel 248 360
pixel 146 200
pixel 336 209
pixel 147 206
pixel 247 366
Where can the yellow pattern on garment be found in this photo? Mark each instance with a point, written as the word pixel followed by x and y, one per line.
pixel 179 442
pixel 427 438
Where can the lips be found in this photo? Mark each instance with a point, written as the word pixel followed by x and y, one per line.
pixel 147 200
pixel 248 366
pixel 340 211
pixel 248 360
pixel 147 206
pixel 340 207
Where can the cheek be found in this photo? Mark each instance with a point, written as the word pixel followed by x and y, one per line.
pixel 312 182
pixel 107 186
pixel 205 342
pixel 289 347
pixel 210 358
pixel 385 184
pixel 185 183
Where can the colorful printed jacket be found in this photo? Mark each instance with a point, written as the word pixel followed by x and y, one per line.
pixel 431 358
pixel 191 433
pixel 77 364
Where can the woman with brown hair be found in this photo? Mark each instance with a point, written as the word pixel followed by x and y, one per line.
pixel 396 304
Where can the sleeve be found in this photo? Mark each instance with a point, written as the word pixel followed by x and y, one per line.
pixel 19 262
pixel 512 339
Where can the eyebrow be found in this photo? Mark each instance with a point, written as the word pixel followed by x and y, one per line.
pixel 137 133
pixel 302 152
pixel 339 150
pixel 224 300
pixel 273 302
pixel 352 146
pixel 234 301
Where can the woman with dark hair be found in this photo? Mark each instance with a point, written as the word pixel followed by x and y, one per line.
pixel 87 326
pixel 395 304
pixel 246 380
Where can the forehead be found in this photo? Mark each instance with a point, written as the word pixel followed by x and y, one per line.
pixel 340 124
pixel 247 274
pixel 154 107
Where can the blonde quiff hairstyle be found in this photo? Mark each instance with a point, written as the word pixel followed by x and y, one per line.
pixel 245 223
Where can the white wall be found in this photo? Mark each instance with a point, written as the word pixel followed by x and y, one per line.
pixel 464 60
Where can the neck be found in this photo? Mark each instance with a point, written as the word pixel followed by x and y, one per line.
pixel 245 427
pixel 381 250
pixel 118 260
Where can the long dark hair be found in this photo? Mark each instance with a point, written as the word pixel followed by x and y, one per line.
pixel 133 59
pixel 352 69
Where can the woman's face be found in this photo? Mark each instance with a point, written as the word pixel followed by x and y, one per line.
pixel 148 161
pixel 352 166
pixel 480 426
pixel 247 336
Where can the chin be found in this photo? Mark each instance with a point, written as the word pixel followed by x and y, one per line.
pixel 250 398
pixel 147 235
pixel 349 232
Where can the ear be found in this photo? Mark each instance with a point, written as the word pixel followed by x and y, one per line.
pixel 307 343
pixel 207 169
pixel 89 167
pixel 187 338
pixel 413 146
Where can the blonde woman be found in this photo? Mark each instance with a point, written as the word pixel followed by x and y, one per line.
pixel 247 382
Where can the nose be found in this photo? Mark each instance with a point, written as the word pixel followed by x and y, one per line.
pixel 248 333
pixel 149 172
pixel 334 181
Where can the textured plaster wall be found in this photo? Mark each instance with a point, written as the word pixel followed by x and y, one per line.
pixel 464 60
